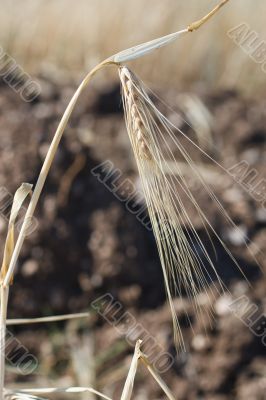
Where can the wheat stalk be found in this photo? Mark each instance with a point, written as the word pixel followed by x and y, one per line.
pixel 140 140
pixel 117 59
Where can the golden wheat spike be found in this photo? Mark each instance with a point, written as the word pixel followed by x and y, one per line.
pixel 168 195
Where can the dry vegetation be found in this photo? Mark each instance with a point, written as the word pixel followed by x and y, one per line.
pixel 40 44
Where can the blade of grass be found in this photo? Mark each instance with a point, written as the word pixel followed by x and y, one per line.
pixel 63 390
pixel 128 387
pixel 21 396
pixel 3 313
pixel 18 200
pixel 157 377
pixel 55 318
pixel 146 48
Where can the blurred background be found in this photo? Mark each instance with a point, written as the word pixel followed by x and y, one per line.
pixel 45 35
pixel 87 243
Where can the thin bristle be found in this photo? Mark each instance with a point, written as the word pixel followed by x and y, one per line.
pixel 185 261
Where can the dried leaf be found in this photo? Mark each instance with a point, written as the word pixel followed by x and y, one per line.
pixel 19 198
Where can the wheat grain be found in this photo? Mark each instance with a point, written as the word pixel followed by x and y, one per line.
pixel 135 121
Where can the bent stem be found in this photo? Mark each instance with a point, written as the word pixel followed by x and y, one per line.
pixel 116 59
pixel 7 279
pixel 46 167
pixel 4 300
pixel 197 24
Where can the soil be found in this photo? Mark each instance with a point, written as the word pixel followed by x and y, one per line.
pixel 87 244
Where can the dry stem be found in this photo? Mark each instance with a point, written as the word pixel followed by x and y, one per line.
pixel 46 167
pixel 197 24
pixel 3 314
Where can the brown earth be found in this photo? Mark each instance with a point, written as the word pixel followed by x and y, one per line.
pixel 87 244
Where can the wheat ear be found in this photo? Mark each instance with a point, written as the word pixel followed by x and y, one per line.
pixel 135 115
